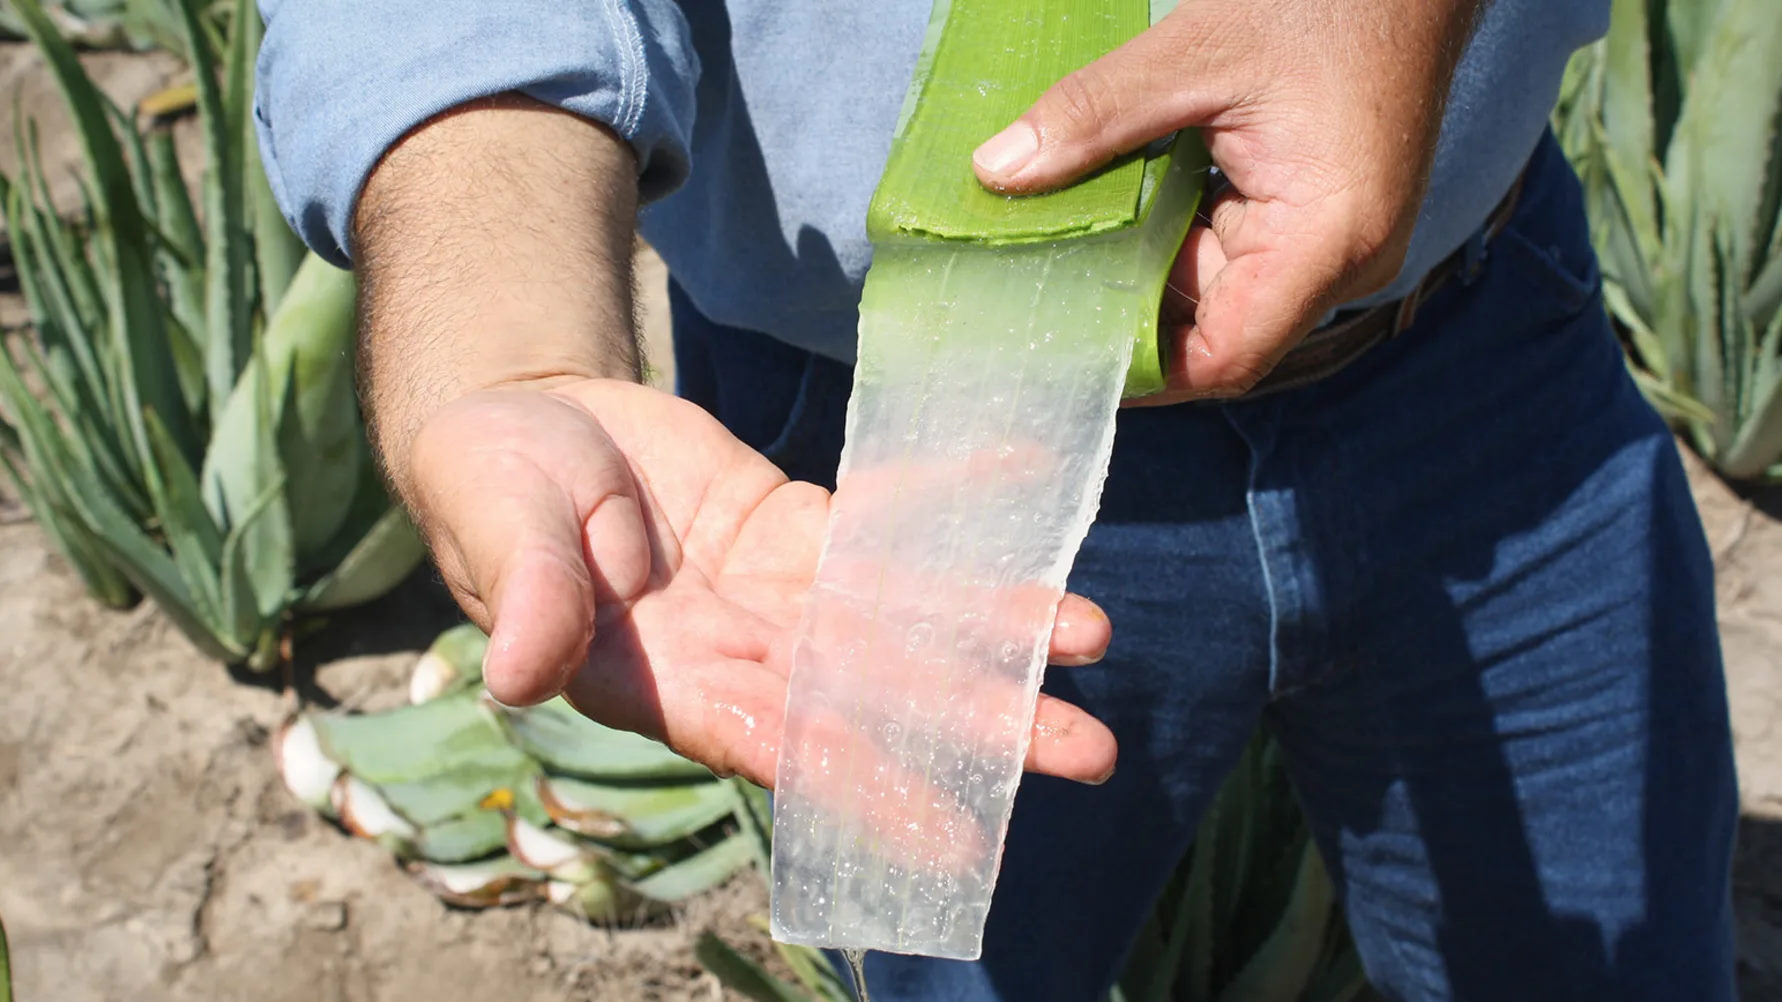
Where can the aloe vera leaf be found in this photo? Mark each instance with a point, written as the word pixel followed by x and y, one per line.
pixel 388 553
pixel 228 268
pixel 1170 969
pixel 5 968
pixel 460 839
pixel 1341 979
pixel 1282 966
pixel 1647 347
pixel 150 569
pixel 62 398
pixel 245 567
pixel 180 251
pixel 63 316
pixel 989 62
pixel 452 663
pixel 742 975
pixel 568 743
pixel 370 503
pixel 814 971
pixel 1627 99
pixel 65 269
pixel 277 249
pixel 1195 913
pixel 1677 407
pixel 498 880
pixel 259 572
pixel 177 218
pixel 309 339
pixel 192 537
pixel 635 817
pixel 1634 238
pixel 1726 129
pixel 754 815
pixel 188 360
pixel 81 403
pixel 466 788
pixel 135 161
pixel 699 872
pixel 414 742
pixel 308 398
pixel 44 495
pixel 1763 300
pixel 1757 445
pixel 136 329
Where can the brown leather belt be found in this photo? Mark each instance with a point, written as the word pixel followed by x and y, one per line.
pixel 1328 349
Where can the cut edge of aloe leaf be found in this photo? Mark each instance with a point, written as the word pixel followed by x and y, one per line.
pixel 983 63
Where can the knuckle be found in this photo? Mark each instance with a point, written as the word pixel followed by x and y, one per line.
pixel 1082 104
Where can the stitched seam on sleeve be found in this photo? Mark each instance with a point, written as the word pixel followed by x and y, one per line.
pixel 633 71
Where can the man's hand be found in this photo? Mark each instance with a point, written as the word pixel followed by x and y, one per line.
pixel 624 548
pixel 619 545
pixel 1323 114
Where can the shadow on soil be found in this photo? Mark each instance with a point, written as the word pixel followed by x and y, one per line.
pixel 1757 900
pixel 406 619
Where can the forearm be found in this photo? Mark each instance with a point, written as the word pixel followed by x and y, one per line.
pixel 493 247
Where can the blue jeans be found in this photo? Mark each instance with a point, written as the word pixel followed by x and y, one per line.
pixel 1463 583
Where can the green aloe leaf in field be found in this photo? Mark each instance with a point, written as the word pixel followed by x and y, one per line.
pixel 182 420
pixel 1672 124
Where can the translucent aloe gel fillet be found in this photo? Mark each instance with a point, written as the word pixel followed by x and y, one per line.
pixel 997 336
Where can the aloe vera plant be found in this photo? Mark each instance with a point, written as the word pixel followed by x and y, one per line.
pixel 183 424
pixel 1672 122
pixel 817 979
pixel 112 24
pixel 491 805
pixel 1250 914
pixel 5 968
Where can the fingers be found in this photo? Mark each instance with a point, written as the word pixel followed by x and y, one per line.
pixel 1070 744
pixel 534 517
pixel 1133 95
pixel 1081 633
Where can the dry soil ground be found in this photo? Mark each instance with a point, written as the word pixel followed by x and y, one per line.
pixel 148 851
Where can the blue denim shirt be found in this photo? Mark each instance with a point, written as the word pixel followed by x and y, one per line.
pixel 760 126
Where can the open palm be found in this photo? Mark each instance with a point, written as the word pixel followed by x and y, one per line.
pixel 623 548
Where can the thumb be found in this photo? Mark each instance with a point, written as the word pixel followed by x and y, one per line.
pixel 534 516
pixel 1115 105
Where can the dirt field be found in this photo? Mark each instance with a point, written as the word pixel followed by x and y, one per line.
pixel 148 851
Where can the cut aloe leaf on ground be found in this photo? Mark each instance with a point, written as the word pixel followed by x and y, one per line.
pixel 569 743
pixel 454 661
pixel 501 880
pixel 631 817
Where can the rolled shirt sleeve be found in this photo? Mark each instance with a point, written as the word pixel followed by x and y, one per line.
pixel 339 81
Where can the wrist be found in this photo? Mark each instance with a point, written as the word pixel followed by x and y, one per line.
pixel 493 246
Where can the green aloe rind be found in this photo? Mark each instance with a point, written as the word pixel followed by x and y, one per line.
pixel 988 62
pixel 982 64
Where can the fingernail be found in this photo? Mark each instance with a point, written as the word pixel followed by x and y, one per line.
pixel 1103 778
pixel 1009 150
pixel 1076 660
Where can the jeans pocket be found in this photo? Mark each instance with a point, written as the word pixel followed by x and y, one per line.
pixel 1564 275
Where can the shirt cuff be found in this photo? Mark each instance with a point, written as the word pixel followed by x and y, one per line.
pixel 340 81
